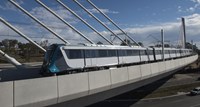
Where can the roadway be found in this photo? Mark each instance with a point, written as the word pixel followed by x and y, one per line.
pixel 181 101
pixel 9 73
pixel 177 101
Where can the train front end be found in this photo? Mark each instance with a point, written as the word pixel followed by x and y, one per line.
pixel 52 60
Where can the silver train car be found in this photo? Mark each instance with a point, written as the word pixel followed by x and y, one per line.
pixel 65 59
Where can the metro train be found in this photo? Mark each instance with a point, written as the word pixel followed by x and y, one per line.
pixel 62 58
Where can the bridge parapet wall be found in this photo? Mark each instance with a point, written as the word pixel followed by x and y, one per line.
pixel 72 86
pixel 35 92
pixel 146 71
pixel 134 73
pixel 6 94
pixel 119 77
pixel 99 81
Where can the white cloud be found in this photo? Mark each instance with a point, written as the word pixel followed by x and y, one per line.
pixel 53 22
pixel 196 1
pixel 103 10
pixel 191 9
pixel 172 30
pixel 47 17
pixel 180 9
pixel 195 7
pixel 9 6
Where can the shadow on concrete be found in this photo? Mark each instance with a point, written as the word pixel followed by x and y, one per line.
pixel 130 98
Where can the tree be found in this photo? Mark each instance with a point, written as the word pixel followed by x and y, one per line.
pixel 99 43
pixel 44 43
pixel 5 42
pixel 141 44
pixel 13 43
pixel 125 42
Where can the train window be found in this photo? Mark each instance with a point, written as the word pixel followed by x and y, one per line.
pixel 150 52
pixel 166 52
pixel 158 52
pixel 122 52
pixel 74 54
pixel 170 52
pixel 136 52
pixel 142 52
pixel 90 53
pixel 112 53
pixel 129 52
pixel 181 51
pixel 103 53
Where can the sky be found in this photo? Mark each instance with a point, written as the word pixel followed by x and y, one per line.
pixel 141 19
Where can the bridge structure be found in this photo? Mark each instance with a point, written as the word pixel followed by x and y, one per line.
pixel 85 88
pixel 28 88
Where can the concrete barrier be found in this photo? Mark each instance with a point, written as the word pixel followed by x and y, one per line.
pixel 191 59
pixel 176 63
pixel 195 57
pixel 72 86
pixel 154 69
pixel 187 60
pixel 182 62
pixel 134 73
pixel 6 94
pixel 99 81
pixel 168 65
pixel 119 77
pixel 35 92
pixel 172 64
pixel 161 67
pixel 146 71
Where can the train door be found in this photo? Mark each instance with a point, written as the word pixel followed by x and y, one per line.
pixel 90 58
pixel 121 54
pixel 93 58
pixel 170 53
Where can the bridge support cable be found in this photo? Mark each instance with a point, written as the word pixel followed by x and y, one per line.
pixel 65 22
pixel 92 15
pixel 86 23
pixel 12 60
pixel 21 34
pixel 112 22
pixel 38 21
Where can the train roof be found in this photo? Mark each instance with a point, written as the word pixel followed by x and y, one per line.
pixel 92 46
